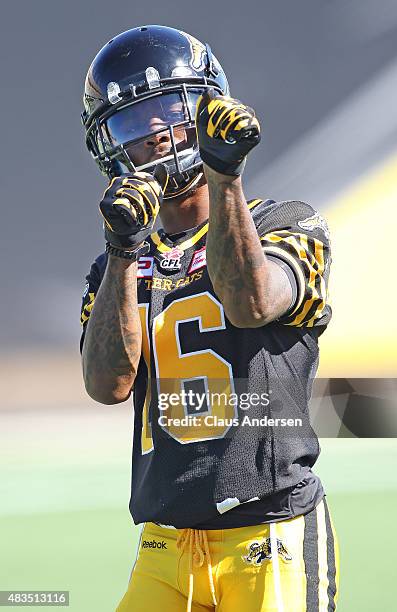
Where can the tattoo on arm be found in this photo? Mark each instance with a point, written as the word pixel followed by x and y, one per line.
pixel 113 341
pixel 243 278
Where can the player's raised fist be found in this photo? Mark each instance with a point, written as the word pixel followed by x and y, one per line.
pixel 130 206
pixel 226 131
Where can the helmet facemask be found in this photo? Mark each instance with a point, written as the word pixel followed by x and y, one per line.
pixel 136 134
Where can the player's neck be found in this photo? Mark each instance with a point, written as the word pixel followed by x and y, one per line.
pixel 178 214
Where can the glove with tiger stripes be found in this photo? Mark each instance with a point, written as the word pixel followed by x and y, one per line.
pixel 227 130
pixel 130 206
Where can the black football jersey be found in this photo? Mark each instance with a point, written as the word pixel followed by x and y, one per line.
pixel 221 428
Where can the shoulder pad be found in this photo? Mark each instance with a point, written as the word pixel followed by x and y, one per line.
pixel 271 215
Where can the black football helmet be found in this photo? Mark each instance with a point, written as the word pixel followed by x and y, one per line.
pixel 140 99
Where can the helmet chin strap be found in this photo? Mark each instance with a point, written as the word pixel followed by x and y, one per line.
pixel 185 159
pixel 177 187
pixel 149 165
pixel 185 188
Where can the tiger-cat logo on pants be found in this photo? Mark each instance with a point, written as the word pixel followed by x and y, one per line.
pixel 261 551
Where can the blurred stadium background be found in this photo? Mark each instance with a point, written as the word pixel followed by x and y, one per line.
pixel 322 75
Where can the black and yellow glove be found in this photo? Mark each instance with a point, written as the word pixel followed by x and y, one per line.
pixel 227 130
pixel 130 206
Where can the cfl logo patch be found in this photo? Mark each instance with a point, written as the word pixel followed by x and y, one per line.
pixel 172 259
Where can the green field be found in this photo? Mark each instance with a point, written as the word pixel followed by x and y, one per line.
pixel 65 523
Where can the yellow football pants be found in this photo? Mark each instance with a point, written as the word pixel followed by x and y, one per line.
pixel 290 566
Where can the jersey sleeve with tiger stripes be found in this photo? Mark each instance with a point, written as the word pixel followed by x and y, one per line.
pixel 297 235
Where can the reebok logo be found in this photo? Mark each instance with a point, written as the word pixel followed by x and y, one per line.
pixel 153 544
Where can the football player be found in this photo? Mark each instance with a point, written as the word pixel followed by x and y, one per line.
pixel 212 324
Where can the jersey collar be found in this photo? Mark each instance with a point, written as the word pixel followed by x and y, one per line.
pixel 185 240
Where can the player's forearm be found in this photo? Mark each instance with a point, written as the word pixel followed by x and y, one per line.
pixel 236 263
pixel 113 340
